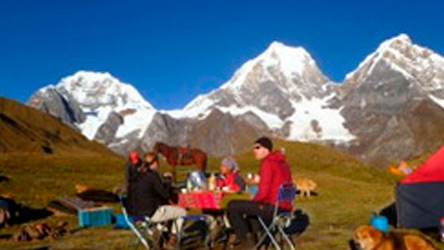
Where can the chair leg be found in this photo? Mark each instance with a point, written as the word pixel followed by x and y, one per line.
pixel 179 233
pixel 267 233
pixel 207 235
pixel 139 236
pixel 263 236
pixel 289 241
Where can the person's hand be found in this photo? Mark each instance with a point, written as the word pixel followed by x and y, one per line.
pixel 256 179
pixel 252 179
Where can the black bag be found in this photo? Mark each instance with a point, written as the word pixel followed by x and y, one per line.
pixel 298 224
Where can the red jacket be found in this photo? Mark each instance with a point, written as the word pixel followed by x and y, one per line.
pixel 233 181
pixel 273 172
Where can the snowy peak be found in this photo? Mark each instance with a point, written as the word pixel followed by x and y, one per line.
pixel 400 54
pixel 397 41
pixel 89 100
pixel 291 62
pixel 95 89
pixel 268 82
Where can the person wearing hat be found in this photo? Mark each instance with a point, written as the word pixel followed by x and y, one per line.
pixel 229 178
pixel 152 197
pixel 131 167
pixel 273 172
pixel 131 172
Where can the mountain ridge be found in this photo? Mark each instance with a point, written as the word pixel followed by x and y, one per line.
pixel 284 89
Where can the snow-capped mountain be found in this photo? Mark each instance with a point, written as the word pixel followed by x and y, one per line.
pixel 391 98
pixel 98 97
pixel 417 64
pixel 283 87
pixel 380 112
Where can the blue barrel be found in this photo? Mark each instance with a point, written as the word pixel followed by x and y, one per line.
pixel 380 222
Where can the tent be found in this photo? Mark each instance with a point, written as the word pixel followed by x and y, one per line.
pixel 420 195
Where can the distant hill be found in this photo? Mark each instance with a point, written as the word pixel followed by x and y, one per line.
pixel 28 130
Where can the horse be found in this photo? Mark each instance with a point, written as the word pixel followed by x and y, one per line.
pixel 181 156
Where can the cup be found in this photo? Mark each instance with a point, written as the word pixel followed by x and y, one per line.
pixel 250 176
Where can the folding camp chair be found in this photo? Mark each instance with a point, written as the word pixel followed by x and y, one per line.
pixel 142 227
pixel 195 218
pixel 286 196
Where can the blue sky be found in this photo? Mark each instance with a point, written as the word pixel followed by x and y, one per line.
pixel 171 51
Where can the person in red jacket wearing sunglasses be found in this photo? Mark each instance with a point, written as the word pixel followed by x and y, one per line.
pixel 273 172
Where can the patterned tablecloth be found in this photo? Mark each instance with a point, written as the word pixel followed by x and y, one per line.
pixel 209 199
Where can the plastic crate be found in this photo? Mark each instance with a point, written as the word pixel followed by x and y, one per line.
pixel 94 216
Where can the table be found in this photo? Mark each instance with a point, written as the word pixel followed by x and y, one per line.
pixel 216 200
pixel 213 204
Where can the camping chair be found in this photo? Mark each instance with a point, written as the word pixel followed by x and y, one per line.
pixel 142 227
pixel 286 196
pixel 195 218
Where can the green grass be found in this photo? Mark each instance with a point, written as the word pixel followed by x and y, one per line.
pixel 348 192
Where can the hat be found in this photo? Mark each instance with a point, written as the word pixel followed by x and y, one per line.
pixel 134 158
pixel 230 163
pixel 265 142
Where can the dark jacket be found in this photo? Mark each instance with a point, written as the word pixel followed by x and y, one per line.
pixel 273 172
pixel 147 193
pixel 130 177
pixel 130 173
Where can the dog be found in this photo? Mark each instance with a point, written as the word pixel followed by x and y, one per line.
pixel 81 188
pixel 367 237
pixel 41 231
pixel 305 186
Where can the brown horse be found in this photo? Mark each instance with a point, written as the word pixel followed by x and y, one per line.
pixel 181 156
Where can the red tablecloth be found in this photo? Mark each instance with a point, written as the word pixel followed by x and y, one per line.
pixel 201 199
pixel 209 199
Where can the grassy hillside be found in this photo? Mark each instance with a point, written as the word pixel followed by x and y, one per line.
pixel 347 195
pixel 25 129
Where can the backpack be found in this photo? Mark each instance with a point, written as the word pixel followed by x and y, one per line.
pixel 298 224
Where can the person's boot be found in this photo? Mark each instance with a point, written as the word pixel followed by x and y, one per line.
pixel 243 243
pixel 172 243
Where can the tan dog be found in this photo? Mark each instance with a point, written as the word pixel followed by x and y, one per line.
pixel 304 185
pixel 81 188
pixel 369 238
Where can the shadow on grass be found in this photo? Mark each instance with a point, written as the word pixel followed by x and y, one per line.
pixel 22 214
pixel 4 178
pixel 5 236
pixel 28 214
pixel 312 193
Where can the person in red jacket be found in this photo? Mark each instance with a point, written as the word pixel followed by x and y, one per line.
pixel 274 172
pixel 229 178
